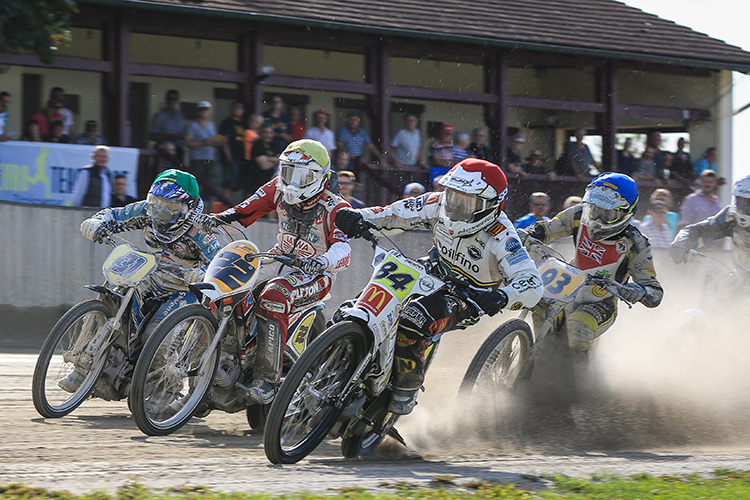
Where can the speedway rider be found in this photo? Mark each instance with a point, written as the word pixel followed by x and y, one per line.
pixel 306 205
pixel 476 242
pixel 607 244
pixel 170 219
pixel 732 220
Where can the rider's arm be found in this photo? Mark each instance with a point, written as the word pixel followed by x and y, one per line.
pixel 132 216
pixel 259 204
pixel 563 224
pixel 523 283
pixel 641 269
pixel 708 230
pixel 412 213
pixel 339 251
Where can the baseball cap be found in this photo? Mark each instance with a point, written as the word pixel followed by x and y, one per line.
pixel 320 111
pixel 519 138
pixel 91 124
pixel 447 129
pixel 235 103
pixel 353 112
pixel 204 104
pixel 412 186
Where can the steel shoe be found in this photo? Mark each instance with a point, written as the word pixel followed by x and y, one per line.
pixel 261 392
pixel 72 382
pixel 403 401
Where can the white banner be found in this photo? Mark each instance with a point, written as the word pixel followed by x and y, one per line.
pixel 45 173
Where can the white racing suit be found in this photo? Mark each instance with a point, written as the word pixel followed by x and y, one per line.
pixel 621 257
pixel 193 250
pixel 309 234
pixel 492 258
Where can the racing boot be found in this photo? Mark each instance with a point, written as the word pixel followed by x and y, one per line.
pixel 409 371
pixel 261 392
pixel 267 370
pixel 72 382
pixel 403 401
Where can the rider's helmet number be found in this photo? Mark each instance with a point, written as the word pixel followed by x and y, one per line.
pixel 559 279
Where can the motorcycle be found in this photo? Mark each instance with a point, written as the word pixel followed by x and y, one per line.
pixel 507 356
pixel 341 385
pixel 201 356
pixel 102 337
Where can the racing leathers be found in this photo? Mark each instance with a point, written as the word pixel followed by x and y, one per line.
pixel 623 256
pixel 193 250
pixel 490 259
pixel 310 234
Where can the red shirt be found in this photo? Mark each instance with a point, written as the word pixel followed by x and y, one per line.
pixel 41 118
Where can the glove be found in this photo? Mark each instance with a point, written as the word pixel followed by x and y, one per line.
pixel 523 235
pixel 312 266
pixel 632 292
pixel 206 222
pixel 93 229
pixel 679 251
pixel 491 301
pixel 350 221
pixel 193 275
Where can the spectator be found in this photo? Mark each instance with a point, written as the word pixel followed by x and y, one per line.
pixel 539 205
pixel 701 204
pixel 120 197
pixel 93 187
pixel 682 167
pixel 265 159
pixel 167 158
pixel 90 136
pixel 341 159
pixel 407 144
pixel 654 142
pixel 580 158
pixel 647 168
pixel 657 228
pixel 58 94
pixel 706 162
pixel 201 139
pixel 571 201
pixel 478 147
pixel 279 122
pixel 626 163
pixel 667 162
pixel 320 131
pixel 664 196
pixel 254 123
pixel 354 139
pixel 48 115
pixel 441 151
pixel 535 165
pixel 169 124
pixel 347 183
pixel 56 133
pixel 461 148
pixel 296 124
pixel 233 130
pixel 413 189
pixel 436 186
pixel 5 135
pixel 513 163
pixel 32 131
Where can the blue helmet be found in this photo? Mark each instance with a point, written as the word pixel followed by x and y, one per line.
pixel 171 202
pixel 608 205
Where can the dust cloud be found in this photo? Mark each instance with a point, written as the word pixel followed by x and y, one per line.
pixel 659 379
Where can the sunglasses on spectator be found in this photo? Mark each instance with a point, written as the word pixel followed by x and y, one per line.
pixel 540 204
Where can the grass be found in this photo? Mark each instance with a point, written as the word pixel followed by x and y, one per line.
pixel 723 484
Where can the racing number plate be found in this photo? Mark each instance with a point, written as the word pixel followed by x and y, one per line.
pixel 560 280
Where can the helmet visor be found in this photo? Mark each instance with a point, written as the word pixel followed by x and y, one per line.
pixel 460 207
pixel 742 205
pixel 297 175
pixel 164 210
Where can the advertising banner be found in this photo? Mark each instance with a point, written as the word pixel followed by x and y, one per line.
pixel 45 173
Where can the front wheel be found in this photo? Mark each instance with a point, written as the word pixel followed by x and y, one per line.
pixel 174 371
pixel 308 404
pixel 65 373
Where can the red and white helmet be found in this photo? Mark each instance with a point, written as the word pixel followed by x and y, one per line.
pixel 475 192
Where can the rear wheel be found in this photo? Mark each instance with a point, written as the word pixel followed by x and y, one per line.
pixel 308 404
pixel 64 362
pixel 174 371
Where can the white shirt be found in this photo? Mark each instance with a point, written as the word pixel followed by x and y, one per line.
pixel 326 137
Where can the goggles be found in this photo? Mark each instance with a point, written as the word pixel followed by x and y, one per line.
pixel 298 175
pixel 165 210
pixel 461 207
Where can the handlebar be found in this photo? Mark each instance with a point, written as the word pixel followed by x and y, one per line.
pixel 609 285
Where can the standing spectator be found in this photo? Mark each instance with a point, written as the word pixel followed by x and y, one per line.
pixel 120 197
pixel 347 182
pixel 653 140
pixel 166 158
pixel 56 133
pixel 279 122
pixel 296 124
pixel 647 168
pixel 48 115
pixel 254 123
pixel 513 164
pixel 91 136
pixel 664 196
pixel 58 94
pixel 701 204
pixel 479 147
pixel 169 123
pixel 93 186
pixel 320 131
pixel 436 186
pixel 341 160
pixel 441 151
pixel 461 148
pixel 539 205
pixel 413 189
pixel 234 147
pixel 626 163
pixel 657 228
pixel 580 157
pixel 407 144
pixel 265 159
pixel 32 131
pixel 535 165
pixel 354 139
pixel 571 201
pixel 201 139
pixel 682 167
pixel 706 162
pixel 4 114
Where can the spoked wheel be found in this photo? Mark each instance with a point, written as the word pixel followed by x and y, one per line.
pixel 307 405
pixel 361 438
pixel 65 373
pixel 500 362
pixel 174 371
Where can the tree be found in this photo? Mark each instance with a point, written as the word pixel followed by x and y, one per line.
pixel 37 26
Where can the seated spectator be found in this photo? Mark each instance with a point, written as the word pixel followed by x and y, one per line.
pixel 48 115
pixel 56 133
pixel 296 124
pixel 120 197
pixel 664 197
pixel 513 164
pixel 647 168
pixel 626 163
pixel 90 136
pixel 479 147
pixel 347 183
pixel 58 94
pixel 32 131
pixel 535 165
pixel 355 140
pixel 341 160
pixel 657 228
pixel 580 158
pixel 706 162
pixel 539 205
pixel 166 157
pixel 701 204
pixel 320 132
pixel 407 144
pixel 682 166
pixel 461 148
pixel 413 189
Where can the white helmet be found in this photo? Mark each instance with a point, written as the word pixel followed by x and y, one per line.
pixel 475 192
pixel 740 207
pixel 304 168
